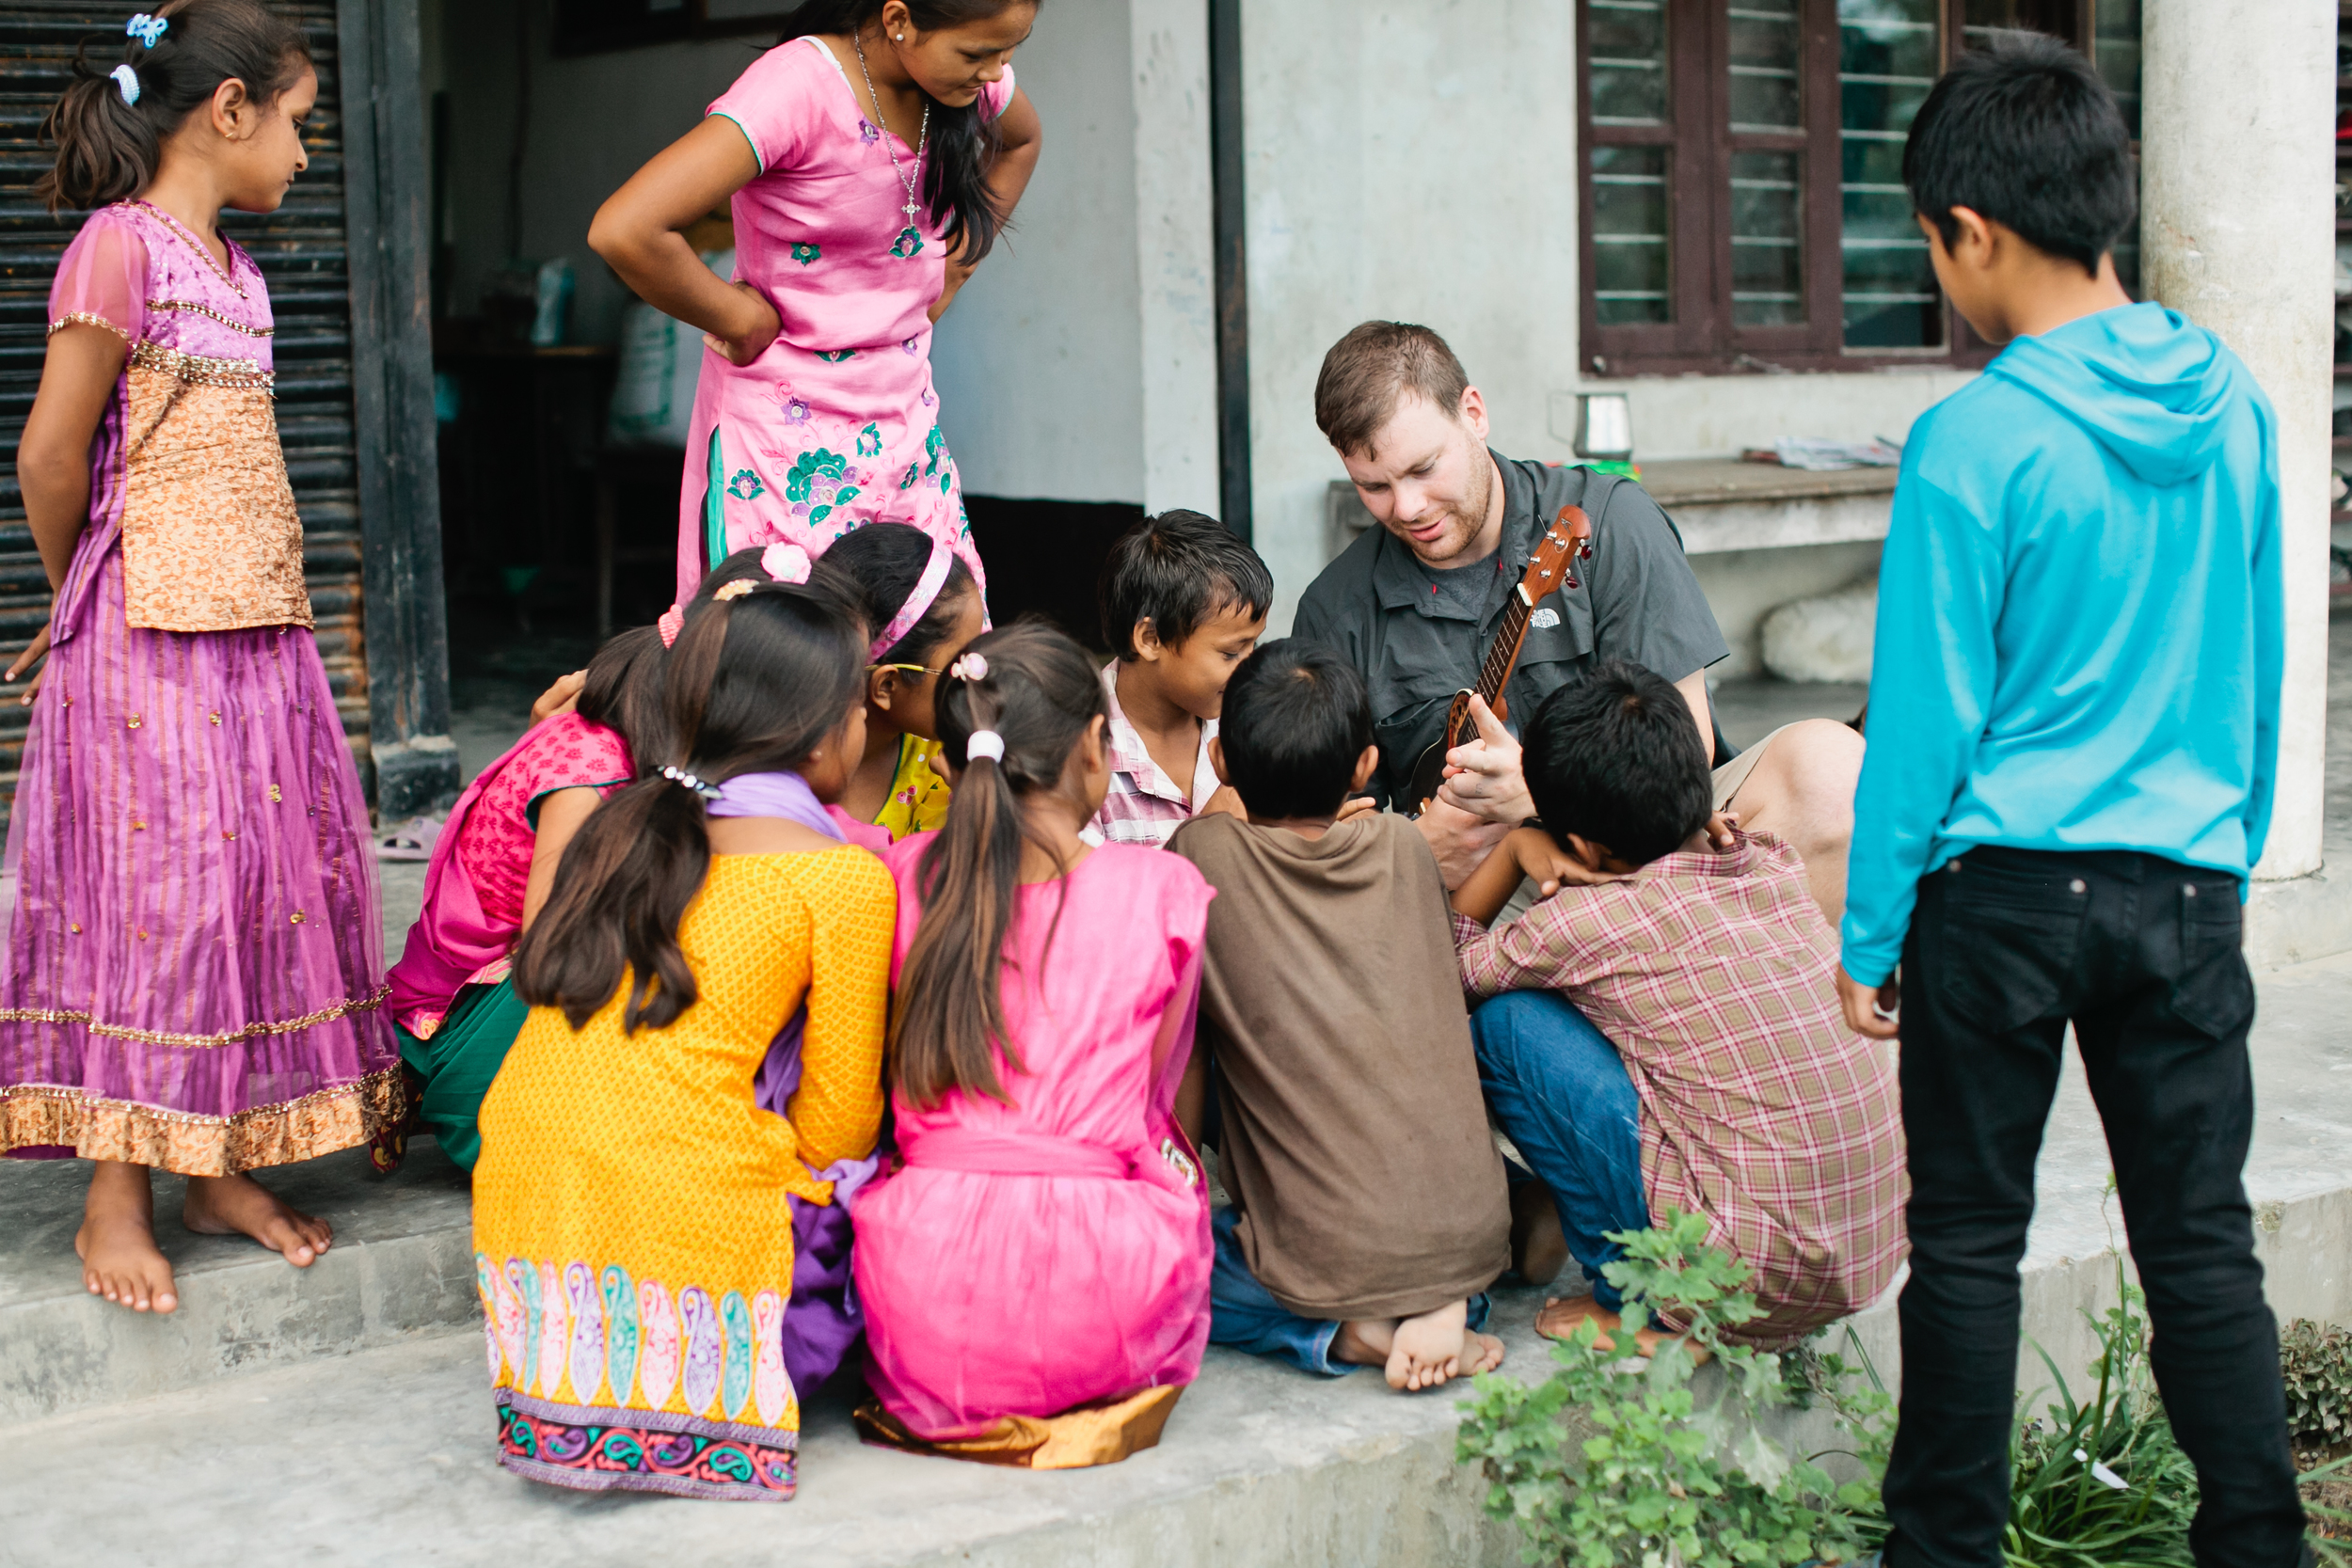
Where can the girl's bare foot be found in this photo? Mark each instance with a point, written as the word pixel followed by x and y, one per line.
pixel 116 1242
pixel 238 1205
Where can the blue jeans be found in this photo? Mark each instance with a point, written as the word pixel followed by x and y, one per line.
pixel 1559 1093
pixel 1244 1313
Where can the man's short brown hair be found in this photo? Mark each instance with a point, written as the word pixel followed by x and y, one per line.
pixel 1368 370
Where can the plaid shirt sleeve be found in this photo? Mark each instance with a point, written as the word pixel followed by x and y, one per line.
pixel 1553 946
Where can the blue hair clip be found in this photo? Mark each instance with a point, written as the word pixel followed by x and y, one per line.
pixel 146 28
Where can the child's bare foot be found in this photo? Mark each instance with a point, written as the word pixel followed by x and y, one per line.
pixel 116 1242
pixel 238 1205
pixel 1439 1345
pixel 1538 1250
pixel 1562 1314
pixel 1364 1343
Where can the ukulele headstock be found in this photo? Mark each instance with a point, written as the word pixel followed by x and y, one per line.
pixel 1567 541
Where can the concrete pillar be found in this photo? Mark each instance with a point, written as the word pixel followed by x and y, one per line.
pixel 1168 42
pixel 2237 233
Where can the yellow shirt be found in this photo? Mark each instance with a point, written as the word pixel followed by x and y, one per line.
pixel 918 797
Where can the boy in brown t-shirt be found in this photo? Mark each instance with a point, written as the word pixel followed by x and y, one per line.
pixel 1370 1210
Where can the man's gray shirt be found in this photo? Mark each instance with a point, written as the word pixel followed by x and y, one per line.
pixel 1635 600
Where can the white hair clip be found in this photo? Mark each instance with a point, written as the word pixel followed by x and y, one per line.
pixel 146 28
pixel 127 84
pixel 681 777
pixel 984 743
pixel 969 667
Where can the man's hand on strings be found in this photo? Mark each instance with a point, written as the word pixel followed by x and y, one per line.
pixel 1484 777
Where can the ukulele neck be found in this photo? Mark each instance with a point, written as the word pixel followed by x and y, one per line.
pixel 1503 656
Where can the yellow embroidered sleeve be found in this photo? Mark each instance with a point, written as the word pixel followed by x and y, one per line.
pixel 852 907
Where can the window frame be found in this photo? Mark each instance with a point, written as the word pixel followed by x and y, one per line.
pixel 1703 337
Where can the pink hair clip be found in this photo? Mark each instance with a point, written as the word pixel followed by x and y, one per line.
pixel 728 591
pixel 969 667
pixel 785 563
pixel 673 622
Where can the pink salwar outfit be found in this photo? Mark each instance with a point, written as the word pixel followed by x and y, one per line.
pixel 194 971
pixel 836 425
pixel 1035 1275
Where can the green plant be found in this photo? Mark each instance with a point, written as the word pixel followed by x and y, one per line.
pixel 1666 1480
pixel 2315 1359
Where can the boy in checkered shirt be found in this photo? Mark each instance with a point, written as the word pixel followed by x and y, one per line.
pixel 1184 602
pixel 1662 1031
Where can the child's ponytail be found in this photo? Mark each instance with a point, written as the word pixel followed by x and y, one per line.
pixel 755 684
pixel 110 124
pixel 1036 692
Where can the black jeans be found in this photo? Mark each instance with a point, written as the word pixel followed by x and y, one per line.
pixel 2142 956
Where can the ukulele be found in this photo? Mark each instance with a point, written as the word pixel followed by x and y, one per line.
pixel 1553 566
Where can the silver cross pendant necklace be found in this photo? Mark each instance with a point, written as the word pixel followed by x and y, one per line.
pixel 906 178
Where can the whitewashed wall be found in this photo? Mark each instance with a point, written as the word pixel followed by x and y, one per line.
pixel 1416 161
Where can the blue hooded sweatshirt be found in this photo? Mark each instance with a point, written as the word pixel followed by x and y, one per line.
pixel 2079 629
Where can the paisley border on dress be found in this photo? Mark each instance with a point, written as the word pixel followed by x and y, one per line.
pixel 328 1014
pixel 200 370
pixel 574 1446
pixel 191 1144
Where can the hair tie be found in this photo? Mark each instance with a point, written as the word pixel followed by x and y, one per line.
pixel 984 743
pixel 127 84
pixel 680 776
pixel 785 563
pixel 146 28
pixel 918 603
pixel 673 622
pixel 969 667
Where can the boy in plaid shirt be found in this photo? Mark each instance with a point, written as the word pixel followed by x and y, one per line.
pixel 1710 1071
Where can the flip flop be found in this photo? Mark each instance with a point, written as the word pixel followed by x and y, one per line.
pixel 412 840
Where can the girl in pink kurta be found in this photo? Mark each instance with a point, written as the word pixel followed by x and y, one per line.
pixel 1035 1275
pixel 869 159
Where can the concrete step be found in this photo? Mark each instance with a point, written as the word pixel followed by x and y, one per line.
pixel 362 1416
pixel 401 1264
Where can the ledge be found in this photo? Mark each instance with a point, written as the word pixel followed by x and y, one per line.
pixel 1715 481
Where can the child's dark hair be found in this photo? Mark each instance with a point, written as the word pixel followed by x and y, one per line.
pixel 1041 694
pixel 1614 758
pixel 1297 717
pixel 2024 133
pixel 755 685
pixel 108 150
pixel 881 565
pixel 1176 571
pixel 962 144
pixel 624 693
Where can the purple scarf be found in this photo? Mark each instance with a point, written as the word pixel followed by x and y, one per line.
pixel 822 1320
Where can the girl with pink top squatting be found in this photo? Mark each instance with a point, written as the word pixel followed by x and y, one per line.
pixel 195 969
pixel 870 159
pixel 1035 1275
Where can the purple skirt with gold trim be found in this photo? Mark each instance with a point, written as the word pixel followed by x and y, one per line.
pixel 194 972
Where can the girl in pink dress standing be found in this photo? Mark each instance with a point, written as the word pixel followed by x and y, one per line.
pixel 195 969
pixel 1036 1274
pixel 871 158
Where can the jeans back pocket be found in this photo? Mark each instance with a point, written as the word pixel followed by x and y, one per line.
pixel 2005 941
pixel 2211 991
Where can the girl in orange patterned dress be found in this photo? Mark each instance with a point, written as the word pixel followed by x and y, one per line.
pixel 634 1207
pixel 194 962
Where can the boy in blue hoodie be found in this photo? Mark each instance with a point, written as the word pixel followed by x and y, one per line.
pixel 2073 727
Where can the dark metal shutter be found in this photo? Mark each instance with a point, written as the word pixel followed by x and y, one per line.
pixel 301 250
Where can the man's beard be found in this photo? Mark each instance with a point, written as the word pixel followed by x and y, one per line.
pixel 1473 516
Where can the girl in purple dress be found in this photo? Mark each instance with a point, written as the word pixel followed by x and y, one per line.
pixel 870 159
pixel 194 972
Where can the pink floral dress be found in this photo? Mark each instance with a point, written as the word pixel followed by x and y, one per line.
pixel 836 424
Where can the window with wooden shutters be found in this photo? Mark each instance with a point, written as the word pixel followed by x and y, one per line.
pixel 1742 176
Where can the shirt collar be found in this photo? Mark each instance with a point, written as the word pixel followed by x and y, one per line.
pixel 1397 575
pixel 1128 755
